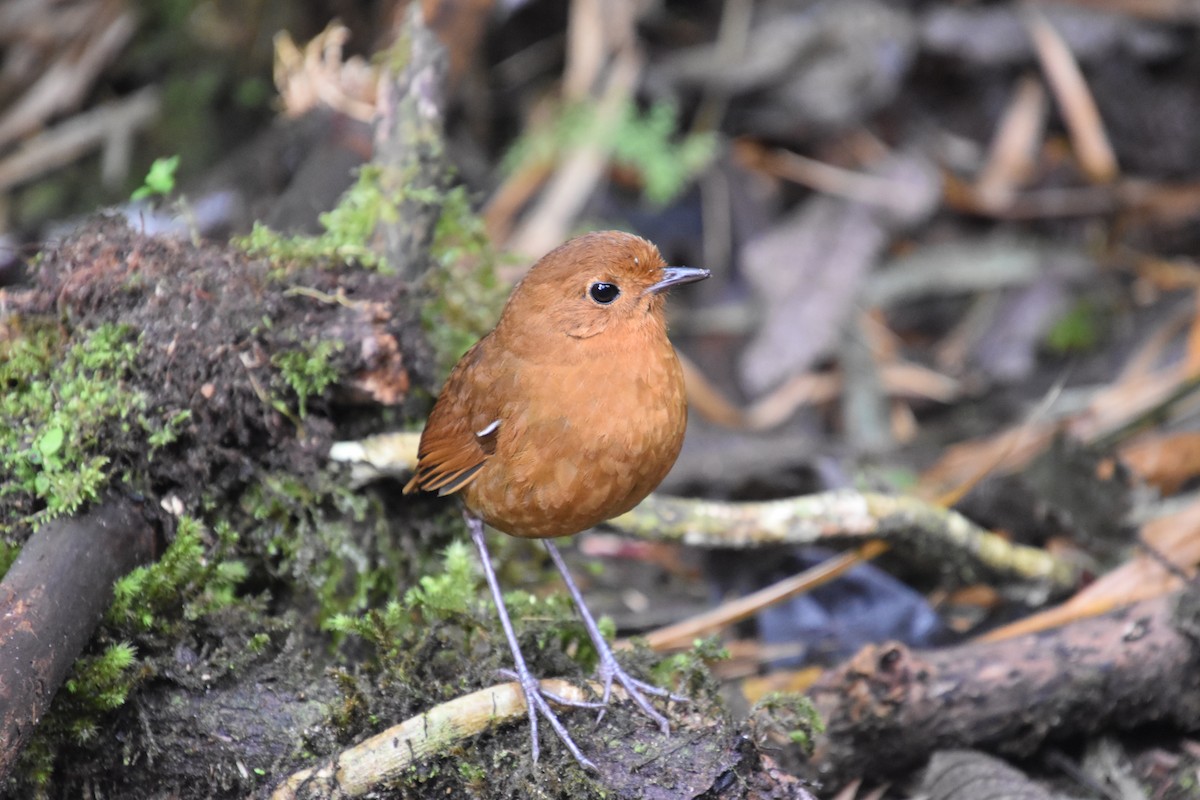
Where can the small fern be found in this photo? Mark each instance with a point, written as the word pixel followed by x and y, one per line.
pixel 646 142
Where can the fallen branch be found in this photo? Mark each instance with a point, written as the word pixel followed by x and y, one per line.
pixel 51 600
pixel 937 536
pixel 387 755
pixel 630 754
pixel 914 528
pixel 888 708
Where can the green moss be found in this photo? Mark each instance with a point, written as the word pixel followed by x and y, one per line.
pixel 64 402
pixel 465 296
pixel 77 414
pixel 59 397
pixel 1076 331
pixel 190 581
pixel 153 604
pixel 349 229
pixel 472 774
pixel 318 535
pixel 646 142
pixel 170 431
pixel 8 554
pixel 308 370
pixel 786 719
pixel 450 593
pixel 443 597
pixel 98 684
pixel 689 668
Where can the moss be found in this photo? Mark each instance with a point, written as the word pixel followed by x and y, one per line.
pixel 175 404
pixel 446 599
pixel 349 230
pixel 786 722
pixel 190 581
pixel 316 535
pixel 8 554
pixel 152 605
pixel 66 402
pixel 422 638
pixel 1078 330
pixel 689 668
pixel 464 294
pixel 646 142
pixel 308 370
pixel 61 398
pixel 442 639
pixel 98 684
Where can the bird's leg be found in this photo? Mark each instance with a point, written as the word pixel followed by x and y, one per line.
pixel 609 669
pixel 534 698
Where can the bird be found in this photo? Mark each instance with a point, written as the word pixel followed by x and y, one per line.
pixel 568 413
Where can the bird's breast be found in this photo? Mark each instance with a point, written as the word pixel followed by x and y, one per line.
pixel 583 439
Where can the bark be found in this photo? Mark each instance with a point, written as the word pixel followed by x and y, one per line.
pixel 50 602
pixel 410 146
pixel 889 707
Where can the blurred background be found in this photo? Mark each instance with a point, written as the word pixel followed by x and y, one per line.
pixel 953 243
pixel 927 221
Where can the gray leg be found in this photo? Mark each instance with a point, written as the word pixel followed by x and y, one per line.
pixel 609 668
pixel 534 699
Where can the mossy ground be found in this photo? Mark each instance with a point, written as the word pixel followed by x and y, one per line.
pixel 289 614
pixel 202 380
pixel 441 641
pixel 213 380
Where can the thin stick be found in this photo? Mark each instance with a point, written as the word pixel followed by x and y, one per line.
pixel 682 634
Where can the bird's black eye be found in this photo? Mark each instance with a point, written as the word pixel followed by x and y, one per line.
pixel 604 293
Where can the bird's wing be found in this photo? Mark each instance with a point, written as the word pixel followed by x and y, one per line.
pixel 461 432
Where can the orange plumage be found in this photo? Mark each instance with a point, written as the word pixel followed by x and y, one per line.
pixel 567 414
pixel 571 411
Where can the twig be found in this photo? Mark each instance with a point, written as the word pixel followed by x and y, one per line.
pixel 860 187
pixel 63 85
pixel 1078 109
pixel 387 755
pixel 915 528
pixel 960 549
pixel 684 632
pixel 112 124
pixel 1014 148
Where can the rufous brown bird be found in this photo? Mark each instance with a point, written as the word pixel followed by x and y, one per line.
pixel 567 414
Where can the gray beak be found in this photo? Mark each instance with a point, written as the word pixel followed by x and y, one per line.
pixel 673 276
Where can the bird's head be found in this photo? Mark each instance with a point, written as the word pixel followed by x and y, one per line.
pixel 599 282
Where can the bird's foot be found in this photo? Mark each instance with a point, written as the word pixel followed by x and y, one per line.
pixel 610 670
pixel 536 700
pixel 535 697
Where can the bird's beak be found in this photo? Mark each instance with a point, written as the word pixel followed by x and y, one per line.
pixel 673 276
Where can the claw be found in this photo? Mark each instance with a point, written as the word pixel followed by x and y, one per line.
pixel 609 669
